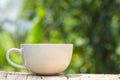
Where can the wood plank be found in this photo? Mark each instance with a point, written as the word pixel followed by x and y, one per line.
pixel 93 77
pixel 37 77
pixel 16 76
pixel 3 75
pixel 33 77
pixel 26 76
pixel 54 78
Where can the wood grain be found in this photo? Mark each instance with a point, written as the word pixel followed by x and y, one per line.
pixel 3 75
pixel 27 76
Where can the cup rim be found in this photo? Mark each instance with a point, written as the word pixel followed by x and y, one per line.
pixel 46 44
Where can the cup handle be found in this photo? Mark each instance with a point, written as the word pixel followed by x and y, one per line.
pixel 10 61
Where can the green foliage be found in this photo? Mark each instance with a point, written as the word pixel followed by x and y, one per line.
pixel 93 26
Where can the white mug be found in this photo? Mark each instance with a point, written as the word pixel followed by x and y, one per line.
pixel 45 59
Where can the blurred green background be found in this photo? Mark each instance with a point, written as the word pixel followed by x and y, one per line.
pixel 93 26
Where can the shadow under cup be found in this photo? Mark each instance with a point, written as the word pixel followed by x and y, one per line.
pixel 44 59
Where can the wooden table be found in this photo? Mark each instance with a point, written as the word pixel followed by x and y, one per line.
pixel 26 76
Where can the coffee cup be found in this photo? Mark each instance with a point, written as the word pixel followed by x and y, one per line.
pixel 45 59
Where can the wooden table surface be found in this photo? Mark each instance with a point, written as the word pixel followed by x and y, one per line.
pixel 26 76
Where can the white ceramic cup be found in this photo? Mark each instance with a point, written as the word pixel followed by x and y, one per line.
pixel 45 59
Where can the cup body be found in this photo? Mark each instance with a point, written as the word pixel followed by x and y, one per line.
pixel 46 58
